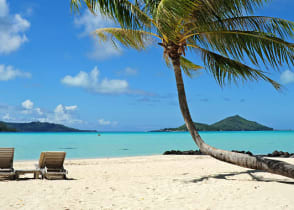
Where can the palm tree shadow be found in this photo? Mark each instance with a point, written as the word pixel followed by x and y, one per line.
pixel 251 173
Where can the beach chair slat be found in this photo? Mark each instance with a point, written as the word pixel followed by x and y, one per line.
pixel 53 163
pixel 6 158
pixel 6 161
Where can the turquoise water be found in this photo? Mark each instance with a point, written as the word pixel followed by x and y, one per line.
pixel 89 145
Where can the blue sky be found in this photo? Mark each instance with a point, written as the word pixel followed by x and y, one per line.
pixel 52 69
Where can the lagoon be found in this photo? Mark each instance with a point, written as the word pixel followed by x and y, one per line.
pixel 120 144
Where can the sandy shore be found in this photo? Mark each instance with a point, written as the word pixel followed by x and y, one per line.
pixel 153 182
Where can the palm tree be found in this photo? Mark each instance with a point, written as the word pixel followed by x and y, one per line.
pixel 226 35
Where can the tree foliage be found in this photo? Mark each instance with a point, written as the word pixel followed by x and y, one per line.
pixel 233 43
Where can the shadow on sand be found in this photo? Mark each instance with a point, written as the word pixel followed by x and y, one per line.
pixel 251 173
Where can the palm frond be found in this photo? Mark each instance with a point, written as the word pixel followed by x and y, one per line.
pixel 269 49
pixel 168 14
pixel 207 12
pixel 226 70
pixel 167 60
pixel 127 14
pixel 280 27
pixel 222 9
pixel 75 5
pixel 189 67
pixel 218 28
pixel 127 37
pixel 151 6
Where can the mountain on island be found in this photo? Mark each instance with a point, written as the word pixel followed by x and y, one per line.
pixel 4 128
pixel 37 127
pixel 234 123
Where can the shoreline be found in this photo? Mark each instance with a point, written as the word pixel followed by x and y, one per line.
pixel 169 152
pixel 94 158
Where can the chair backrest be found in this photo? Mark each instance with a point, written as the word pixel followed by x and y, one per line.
pixel 6 158
pixel 52 160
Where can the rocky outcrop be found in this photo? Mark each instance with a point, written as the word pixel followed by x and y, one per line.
pixel 198 152
pixel 178 152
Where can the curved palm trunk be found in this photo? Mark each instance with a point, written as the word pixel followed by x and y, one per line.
pixel 244 160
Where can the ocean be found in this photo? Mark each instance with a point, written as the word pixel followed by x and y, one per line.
pixel 121 144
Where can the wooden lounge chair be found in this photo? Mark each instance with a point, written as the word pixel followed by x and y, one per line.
pixel 51 165
pixel 6 163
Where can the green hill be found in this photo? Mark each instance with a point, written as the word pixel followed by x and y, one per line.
pixel 199 126
pixel 234 123
pixel 4 128
pixel 237 123
pixel 37 127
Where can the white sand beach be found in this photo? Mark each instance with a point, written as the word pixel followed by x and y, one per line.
pixel 150 182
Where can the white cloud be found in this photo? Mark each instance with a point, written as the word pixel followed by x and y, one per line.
pixel 89 23
pixel 287 77
pixel 61 114
pixel 12 29
pixel 27 104
pixel 104 50
pixel 3 8
pixel 104 122
pixel 91 82
pixel 27 113
pixel 29 109
pixel 71 108
pixel 6 117
pixel 128 72
pixel 9 73
pixel 39 111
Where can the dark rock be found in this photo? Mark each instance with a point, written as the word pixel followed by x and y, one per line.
pixel 178 152
pixel 275 154
pixel 249 153
pixel 243 152
pixel 198 152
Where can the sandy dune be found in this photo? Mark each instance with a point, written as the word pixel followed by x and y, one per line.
pixel 153 182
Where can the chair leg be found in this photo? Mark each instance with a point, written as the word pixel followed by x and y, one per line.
pixel 14 177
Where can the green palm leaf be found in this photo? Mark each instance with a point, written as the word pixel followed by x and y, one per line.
pixel 226 70
pixel 127 14
pixel 189 67
pixel 227 8
pixel 217 26
pixel 127 37
pixel 272 51
pixel 168 14
pixel 282 28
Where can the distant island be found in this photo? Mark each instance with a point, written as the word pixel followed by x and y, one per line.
pixel 234 123
pixel 37 127
pixel 4 128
